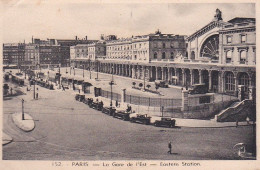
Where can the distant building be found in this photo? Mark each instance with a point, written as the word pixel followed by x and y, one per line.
pixel 14 54
pixel 32 55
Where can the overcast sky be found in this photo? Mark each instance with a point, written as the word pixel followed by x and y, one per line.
pixel 44 20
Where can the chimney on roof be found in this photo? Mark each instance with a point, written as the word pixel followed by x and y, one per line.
pixel 76 37
pixel 32 39
pixel 86 37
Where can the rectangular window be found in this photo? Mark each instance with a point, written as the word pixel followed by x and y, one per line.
pixel 243 38
pixel 229 39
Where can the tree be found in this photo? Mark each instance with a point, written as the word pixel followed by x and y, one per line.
pixel 134 83
pixel 148 86
pixel 140 85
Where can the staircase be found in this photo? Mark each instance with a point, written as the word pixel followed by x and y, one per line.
pixel 238 111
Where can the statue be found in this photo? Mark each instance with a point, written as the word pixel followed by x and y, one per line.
pixel 218 15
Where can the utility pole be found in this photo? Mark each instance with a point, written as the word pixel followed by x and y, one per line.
pixel 34 89
pixel 22 110
pixel 144 77
pixel 59 76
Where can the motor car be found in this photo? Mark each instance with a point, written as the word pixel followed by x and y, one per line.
pixel 139 118
pixel 198 89
pixel 108 110
pixel 161 83
pixel 165 122
pixel 122 114
pixel 88 101
pixel 97 105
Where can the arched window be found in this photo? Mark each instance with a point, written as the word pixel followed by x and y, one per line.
pixel 192 55
pixel 155 55
pixel 228 56
pixel 163 45
pixel 229 82
pixel 172 55
pixel 163 55
pixel 243 57
pixel 244 80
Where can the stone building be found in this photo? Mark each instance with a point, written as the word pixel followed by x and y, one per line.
pixel 14 54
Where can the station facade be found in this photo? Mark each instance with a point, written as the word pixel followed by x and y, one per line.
pixel 221 55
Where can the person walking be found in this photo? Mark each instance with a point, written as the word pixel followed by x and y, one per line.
pixel 116 103
pixel 170 148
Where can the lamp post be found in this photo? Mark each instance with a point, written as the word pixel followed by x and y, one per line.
pixel 22 110
pixel 70 70
pixel 111 84
pixel 144 77
pixel 97 68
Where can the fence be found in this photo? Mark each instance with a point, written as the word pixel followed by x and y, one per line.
pixel 107 94
pixel 155 102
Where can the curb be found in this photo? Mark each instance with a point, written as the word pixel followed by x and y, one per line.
pixel 6 139
pixel 26 125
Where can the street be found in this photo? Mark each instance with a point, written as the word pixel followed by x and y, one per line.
pixel 69 130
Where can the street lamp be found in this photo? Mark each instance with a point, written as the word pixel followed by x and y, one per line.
pixel 144 76
pixel 70 69
pixel 111 84
pixel 97 68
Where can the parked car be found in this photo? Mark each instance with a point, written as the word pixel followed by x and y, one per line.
pixel 97 105
pixel 122 114
pixel 166 122
pixel 88 101
pixel 198 89
pixel 144 119
pixel 161 83
pixel 80 97
pixel 108 110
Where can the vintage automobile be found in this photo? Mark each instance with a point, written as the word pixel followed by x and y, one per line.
pixel 108 110
pixel 166 122
pixel 144 119
pixel 161 83
pixel 88 101
pixel 80 97
pixel 198 89
pixel 97 105
pixel 122 114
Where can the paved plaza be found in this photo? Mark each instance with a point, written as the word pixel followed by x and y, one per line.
pixel 66 129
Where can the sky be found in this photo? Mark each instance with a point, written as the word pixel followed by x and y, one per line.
pixel 44 19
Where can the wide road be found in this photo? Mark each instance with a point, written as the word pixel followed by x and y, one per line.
pixel 69 130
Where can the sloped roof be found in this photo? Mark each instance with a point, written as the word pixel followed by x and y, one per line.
pixel 241 20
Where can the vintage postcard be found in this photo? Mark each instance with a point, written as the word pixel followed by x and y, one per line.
pixel 129 84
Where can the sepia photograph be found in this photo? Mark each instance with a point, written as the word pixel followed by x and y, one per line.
pixel 97 81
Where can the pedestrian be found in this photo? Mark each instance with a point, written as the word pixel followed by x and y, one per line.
pixel 79 91
pixel 170 148
pixel 37 96
pixel 11 91
pixel 116 103
pixel 236 123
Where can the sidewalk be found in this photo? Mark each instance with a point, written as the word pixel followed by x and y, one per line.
pixel 26 125
pixel 6 139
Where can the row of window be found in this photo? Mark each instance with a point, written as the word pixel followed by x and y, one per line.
pixel 242 38
pixel 242 56
pixel 155 55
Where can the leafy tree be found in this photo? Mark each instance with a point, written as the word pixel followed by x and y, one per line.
pixel 134 83
pixel 148 86
pixel 140 85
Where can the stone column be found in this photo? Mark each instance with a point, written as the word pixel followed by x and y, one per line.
pixel 210 80
pixel 251 93
pixel 133 71
pixel 236 82
pixel 169 74
pixel 221 82
pixel 200 76
pixel 130 71
pixel 156 73
pixel 191 77
pixel 176 74
pixel 183 77
pixel 123 95
pixel 163 73
pixel 143 70
pixel 185 100
pixel 241 92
